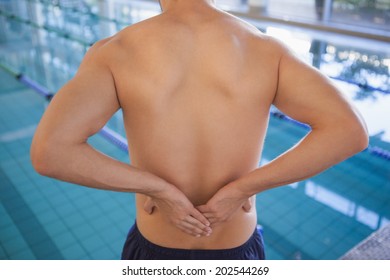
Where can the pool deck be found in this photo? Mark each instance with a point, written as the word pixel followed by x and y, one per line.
pixel 374 247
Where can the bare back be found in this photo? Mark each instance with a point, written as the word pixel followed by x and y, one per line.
pixel 196 94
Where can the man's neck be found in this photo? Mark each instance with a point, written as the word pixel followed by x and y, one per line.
pixel 182 4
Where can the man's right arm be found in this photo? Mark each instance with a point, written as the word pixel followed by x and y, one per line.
pixel 79 110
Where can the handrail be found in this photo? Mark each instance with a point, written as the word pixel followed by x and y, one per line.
pixel 44 27
pixel 28 82
pixel 62 7
pixel 10 71
pixel 315 26
pixel 363 32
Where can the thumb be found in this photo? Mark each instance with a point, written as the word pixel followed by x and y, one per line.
pixel 149 205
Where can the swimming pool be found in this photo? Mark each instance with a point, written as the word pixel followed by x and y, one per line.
pixel 41 218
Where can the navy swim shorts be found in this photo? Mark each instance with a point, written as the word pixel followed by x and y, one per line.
pixel 138 247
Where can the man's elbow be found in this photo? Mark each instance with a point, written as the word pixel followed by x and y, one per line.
pixel 40 154
pixel 359 137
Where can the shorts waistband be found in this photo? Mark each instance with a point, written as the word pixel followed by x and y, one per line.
pixel 197 253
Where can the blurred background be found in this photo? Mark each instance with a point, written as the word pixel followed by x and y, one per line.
pixel 42 43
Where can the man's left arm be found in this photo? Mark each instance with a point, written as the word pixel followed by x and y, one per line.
pixel 337 132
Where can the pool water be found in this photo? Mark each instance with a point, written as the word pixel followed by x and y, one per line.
pixel 319 218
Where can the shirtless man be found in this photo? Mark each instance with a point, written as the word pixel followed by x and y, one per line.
pixel 195 85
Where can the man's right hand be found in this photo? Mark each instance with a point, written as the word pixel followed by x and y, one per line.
pixel 179 211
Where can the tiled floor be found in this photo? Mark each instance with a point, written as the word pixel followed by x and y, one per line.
pixel 42 218
pixel 375 247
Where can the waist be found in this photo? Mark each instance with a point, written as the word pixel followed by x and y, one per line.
pixel 141 248
pixel 228 235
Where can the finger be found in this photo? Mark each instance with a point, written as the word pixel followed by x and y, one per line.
pixel 187 231
pixel 206 211
pixel 200 217
pixel 190 229
pixel 202 208
pixel 215 219
pixel 209 216
pixel 195 225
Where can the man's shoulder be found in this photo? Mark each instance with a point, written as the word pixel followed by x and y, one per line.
pixel 130 35
pixel 250 32
pixel 139 29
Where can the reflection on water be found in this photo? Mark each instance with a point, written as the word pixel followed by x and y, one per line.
pixel 345 206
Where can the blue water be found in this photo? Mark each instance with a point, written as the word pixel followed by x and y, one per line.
pixel 41 218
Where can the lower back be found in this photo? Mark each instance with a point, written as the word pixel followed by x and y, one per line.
pixel 230 234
